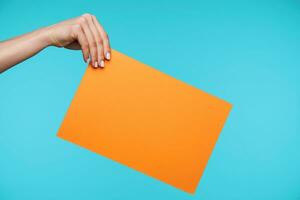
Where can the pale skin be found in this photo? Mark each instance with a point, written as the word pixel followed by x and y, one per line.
pixel 83 33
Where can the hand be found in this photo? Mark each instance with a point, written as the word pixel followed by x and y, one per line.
pixel 85 33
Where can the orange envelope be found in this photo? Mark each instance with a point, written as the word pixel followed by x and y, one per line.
pixel 147 120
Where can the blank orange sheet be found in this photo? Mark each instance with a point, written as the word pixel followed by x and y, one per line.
pixel 147 120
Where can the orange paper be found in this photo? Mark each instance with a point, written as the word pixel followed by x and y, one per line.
pixel 147 120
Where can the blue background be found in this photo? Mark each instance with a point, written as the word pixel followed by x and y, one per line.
pixel 246 52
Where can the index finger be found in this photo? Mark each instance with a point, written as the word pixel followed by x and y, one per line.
pixel 106 43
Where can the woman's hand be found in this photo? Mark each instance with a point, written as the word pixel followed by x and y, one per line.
pixel 85 33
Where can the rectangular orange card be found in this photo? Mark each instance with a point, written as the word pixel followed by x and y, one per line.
pixel 147 120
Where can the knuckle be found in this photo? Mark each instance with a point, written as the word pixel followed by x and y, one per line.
pixel 99 41
pixel 87 16
pixel 100 50
pixel 81 20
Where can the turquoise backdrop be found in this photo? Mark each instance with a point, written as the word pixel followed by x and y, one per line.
pixel 246 52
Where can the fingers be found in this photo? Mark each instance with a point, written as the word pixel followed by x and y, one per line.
pixel 98 39
pixel 95 38
pixel 104 36
pixel 82 40
pixel 91 41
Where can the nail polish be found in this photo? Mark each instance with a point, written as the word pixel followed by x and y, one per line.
pixel 99 64
pixel 96 64
pixel 107 55
pixel 102 63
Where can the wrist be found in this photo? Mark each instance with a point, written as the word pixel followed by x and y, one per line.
pixel 46 36
pixel 49 37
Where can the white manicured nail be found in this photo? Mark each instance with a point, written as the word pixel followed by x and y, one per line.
pixel 107 55
pixel 96 64
pixel 102 63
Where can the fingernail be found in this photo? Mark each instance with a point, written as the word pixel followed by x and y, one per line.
pixel 102 63
pixel 88 60
pixel 96 64
pixel 107 55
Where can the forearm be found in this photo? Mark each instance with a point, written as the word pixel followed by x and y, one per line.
pixel 83 33
pixel 20 48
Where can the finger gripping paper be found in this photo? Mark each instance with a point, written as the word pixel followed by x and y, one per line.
pixel 146 120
